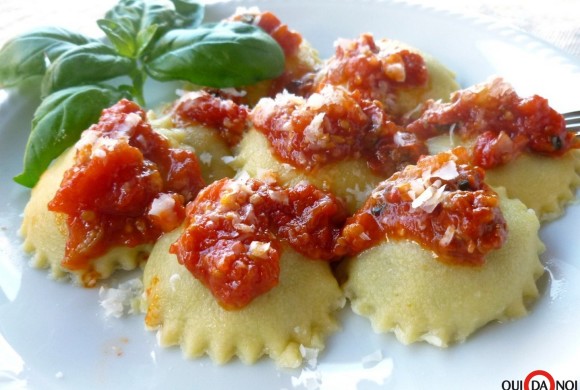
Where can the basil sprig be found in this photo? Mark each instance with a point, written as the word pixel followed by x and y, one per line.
pixel 80 76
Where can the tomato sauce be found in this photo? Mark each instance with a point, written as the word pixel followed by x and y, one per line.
pixel 288 39
pixel 297 64
pixel 502 124
pixel 235 229
pixel 127 186
pixel 334 125
pixel 361 65
pixel 224 115
pixel 442 203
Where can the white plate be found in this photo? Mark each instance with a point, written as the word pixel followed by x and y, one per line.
pixel 54 335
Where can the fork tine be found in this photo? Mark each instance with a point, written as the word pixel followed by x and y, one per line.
pixel 572 119
pixel 571 114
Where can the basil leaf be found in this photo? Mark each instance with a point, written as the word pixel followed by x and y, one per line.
pixel 145 37
pixel 121 38
pixel 189 14
pixel 136 16
pixel 226 54
pixel 87 64
pixel 58 123
pixel 26 56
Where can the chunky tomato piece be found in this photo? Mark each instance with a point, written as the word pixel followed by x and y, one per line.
pixel 235 230
pixel 442 203
pixel 126 187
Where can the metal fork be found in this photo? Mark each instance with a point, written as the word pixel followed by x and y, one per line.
pixel 572 119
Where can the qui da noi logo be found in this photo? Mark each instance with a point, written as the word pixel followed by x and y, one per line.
pixel 540 380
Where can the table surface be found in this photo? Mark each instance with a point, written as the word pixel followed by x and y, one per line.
pixel 554 21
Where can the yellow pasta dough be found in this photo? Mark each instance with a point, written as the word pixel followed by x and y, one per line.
pixel 544 184
pixel 211 150
pixel 440 85
pixel 351 180
pixel 45 233
pixel 402 288
pixel 296 314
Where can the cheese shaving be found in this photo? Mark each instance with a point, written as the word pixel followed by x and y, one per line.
pixel 447 171
pixel 447 236
pixel 430 198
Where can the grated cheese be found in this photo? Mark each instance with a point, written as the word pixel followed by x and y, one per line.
pixel 88 137
pixel 233 92
pixel 315 101
pixel 279 197
pixel 310 355
pixel 267 175
pixel 173 279
pixel 259 249
pixel 191 95
pixel 447 236
pixel 308 379
pixel 121 300
pixel 396 71
pixel 228 159
pixel 314 133
pixel 360 195
pixel 205 158
pixel 162 205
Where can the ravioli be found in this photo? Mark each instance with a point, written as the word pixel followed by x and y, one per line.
pixel 545 184
pixel 103 203
pixel 45 233
pixel 299 312
pixel 403 289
